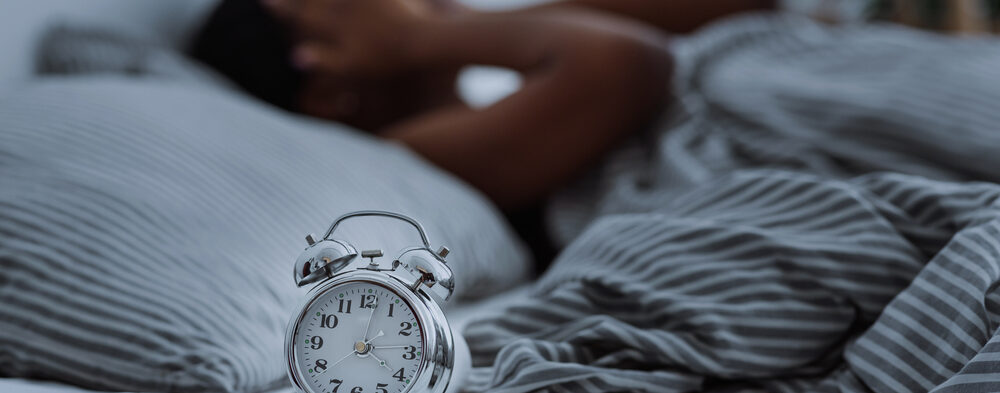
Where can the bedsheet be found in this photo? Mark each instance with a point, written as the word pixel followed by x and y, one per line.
pixel 459 315
pixel 818 213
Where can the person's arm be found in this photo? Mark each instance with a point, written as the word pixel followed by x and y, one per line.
pixel 673 16
pixel 589 80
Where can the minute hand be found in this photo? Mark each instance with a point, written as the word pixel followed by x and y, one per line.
pixel 370 315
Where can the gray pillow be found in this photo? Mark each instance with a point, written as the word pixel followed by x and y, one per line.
pixel 147 230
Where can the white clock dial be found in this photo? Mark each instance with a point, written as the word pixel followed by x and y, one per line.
pixel 359 337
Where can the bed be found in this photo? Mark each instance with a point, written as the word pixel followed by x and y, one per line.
pixel 816 211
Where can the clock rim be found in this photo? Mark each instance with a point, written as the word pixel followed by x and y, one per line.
pixel 436 362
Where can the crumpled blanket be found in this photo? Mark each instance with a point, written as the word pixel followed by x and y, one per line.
pixel 817 213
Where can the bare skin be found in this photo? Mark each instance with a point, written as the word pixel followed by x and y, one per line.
pixel 593 73
pixel 674 16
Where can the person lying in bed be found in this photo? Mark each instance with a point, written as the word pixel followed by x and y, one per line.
pixel 593 71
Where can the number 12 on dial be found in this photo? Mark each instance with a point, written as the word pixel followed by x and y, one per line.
pixel 359 337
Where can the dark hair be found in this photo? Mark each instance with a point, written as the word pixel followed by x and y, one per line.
pixel 244 42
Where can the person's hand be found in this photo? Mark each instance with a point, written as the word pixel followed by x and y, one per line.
pixel 351 37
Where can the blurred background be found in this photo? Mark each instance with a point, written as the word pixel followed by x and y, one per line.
pixel 175 21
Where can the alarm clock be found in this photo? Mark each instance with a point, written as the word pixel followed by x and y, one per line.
pixel 371 325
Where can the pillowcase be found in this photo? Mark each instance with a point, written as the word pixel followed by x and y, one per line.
pixel 148 230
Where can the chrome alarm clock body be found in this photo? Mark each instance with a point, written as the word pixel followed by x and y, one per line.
pixel 371 326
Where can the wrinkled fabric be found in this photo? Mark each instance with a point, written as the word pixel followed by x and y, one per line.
pixel 817 213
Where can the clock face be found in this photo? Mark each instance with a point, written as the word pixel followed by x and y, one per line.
pixel 358 337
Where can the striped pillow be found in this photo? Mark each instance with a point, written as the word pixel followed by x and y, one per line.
pixel 147 230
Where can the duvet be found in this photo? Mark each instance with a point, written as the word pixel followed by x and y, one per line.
pixel 817 213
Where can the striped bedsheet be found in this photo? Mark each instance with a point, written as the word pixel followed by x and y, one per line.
pixel 818 213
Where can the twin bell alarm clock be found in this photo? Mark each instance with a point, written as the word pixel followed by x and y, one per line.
pixel 371 324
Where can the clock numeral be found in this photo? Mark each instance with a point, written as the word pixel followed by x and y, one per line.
pixel 320 365
pixel 330 320
pixel 357 389
pixel 368 301
pixel 405 331
pixel 381 388
pixel 336 384
pixel 317 342
pixel 390 309
pixel 341 308
pixel 410 353
pixel 399 375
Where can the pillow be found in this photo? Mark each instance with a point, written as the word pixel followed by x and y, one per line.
pixel 148 230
